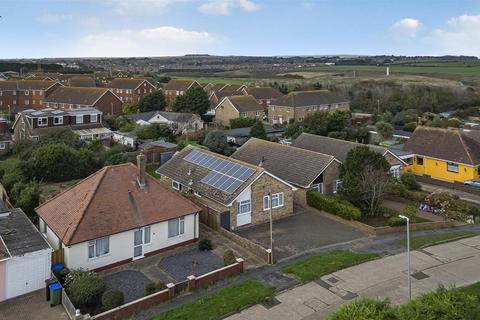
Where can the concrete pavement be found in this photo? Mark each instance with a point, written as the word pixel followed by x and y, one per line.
pixel 451 263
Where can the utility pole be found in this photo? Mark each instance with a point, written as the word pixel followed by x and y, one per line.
pixel 271 222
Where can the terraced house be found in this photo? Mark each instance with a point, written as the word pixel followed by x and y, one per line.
pixel 79 97
pixel 232 193
pixel 233 107
pixel 25 93
pixel 131 90
pixel 177 87
pixel 445 154
pixel 222 90
pixel 264 95
pixel 297 105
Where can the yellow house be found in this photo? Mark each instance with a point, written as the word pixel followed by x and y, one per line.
pixel 445 154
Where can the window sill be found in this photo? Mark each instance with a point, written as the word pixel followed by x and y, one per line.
pixel 99 257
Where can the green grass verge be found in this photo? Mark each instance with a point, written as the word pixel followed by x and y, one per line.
pixel 220 303
pixel 473 289
pixel 151 168
pixel 314 267
pixel 425 241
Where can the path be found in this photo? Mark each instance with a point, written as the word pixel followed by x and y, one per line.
pixel 470 197
pixel 451 263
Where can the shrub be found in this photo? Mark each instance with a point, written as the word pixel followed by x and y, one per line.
pixel 409 181
pixel 410 211
pixel 398 190
pixel 150 288
pixel 216 141
pixel 396 221
pixel 205 244
pixel 84 288
pixel 242 122
pixel 411 126
pixel 333 205
pixel 112 299
pixel 229 257
pixel 365 309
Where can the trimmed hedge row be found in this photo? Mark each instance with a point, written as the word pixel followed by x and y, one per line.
pixel 333 205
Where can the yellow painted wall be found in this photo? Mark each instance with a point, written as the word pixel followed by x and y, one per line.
pixel 438 169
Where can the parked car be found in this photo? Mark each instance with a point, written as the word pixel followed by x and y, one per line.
pixel 473 183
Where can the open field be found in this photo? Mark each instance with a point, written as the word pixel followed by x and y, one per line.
pixel 218 80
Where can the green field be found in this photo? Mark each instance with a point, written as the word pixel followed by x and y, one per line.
pixel 217 80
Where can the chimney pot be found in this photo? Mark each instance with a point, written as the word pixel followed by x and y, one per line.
pixel 141 168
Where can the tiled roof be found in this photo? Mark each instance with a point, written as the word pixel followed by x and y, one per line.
pixel 309 98
pixel 177 169
pixel 264 93
pixel 245 103
pixel 455 145
pixel 335 147
pixel 110 201
pixel 294 165
pixel 80 81
pixel 177 84
pixel 123 83
pixel 26 85
pixel 231 89
pixel 76 95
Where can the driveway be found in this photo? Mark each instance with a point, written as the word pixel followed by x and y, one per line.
pixel 32 306
pixel 301 232
pixel 467 196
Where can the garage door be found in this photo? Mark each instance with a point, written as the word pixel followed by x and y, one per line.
pixel 27 273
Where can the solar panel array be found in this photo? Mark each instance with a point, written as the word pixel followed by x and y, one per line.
pixel 225 175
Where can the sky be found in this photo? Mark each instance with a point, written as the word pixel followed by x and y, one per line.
pixel 127 28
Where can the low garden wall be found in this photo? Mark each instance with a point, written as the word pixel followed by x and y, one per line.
pixel 257 249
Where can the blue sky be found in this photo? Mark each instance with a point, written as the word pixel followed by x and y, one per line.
pixel 76 28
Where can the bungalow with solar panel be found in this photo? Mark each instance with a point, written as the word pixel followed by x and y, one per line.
pixel 232 193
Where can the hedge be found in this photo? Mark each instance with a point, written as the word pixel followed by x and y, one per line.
pixel 333 205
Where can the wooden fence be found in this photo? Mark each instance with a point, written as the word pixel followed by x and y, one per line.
pixel 58 256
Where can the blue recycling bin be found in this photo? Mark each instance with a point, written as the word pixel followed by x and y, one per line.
pixel 55 294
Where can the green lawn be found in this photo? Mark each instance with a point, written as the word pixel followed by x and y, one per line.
pixel 151 170
pixel 220 303
pixel 314 267
pixel 425 241
pixel 473 289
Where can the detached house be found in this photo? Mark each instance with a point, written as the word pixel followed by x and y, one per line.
pixel 297 105
pixel 445 154
pixel 221 90
pixel 116 215
pixel 177 121
pixel 131 90
pixel 25 93
pixel 340 149
pixel 80 97
pixel 233 107
pixel 233 193
pixel 305 169
pixel 86 122
pixel 176 87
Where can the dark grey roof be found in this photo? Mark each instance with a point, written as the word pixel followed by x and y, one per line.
pixel 245 132
pixel 19 234
pixel 76 95
pixel 157 143
pixel 335 147
pixel 264 93
pixel 297 166
pixel 49 112
pixel 177 169
pixel 245 103
pixel 309 98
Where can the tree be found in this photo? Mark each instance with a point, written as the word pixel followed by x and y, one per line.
pixel 152 102
pixel 61 135
pixel 365 179
pixel 384 129
pixel 154 131
pixel 116 158
pixel 258 131
pixel 129 108
pixel 27 197
pixel 194 100
pixel 317 123
pixel 448 205
pixel 216 141
pixel 293 130
pixel 337 120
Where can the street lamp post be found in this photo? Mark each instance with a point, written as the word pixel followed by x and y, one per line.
pixel 271 224
pixel 408 256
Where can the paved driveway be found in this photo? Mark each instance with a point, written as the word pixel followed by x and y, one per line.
pixel 301 232
pixel 31 306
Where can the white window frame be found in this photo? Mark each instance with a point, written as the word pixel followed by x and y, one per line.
pixel 3 146
pixel 181 228
pixel 317 187
pixel 94 244
pixel 266 203
pixel 40 122
pixel 79 117
pixel 280 198
pixel 244 204
pixel 27 102
pixel 176 185
pixel 94 117
pixel 26 92
pixel 60 122
pixel 452 167
pixel 336 185
pixel 395 171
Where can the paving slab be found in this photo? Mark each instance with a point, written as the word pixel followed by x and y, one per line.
pixel 451 251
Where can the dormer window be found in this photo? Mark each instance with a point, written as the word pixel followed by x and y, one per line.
pixel 42 122
pixel 79 119
pixel 93 118
pixel 57 120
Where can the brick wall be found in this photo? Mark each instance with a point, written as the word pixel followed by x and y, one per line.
pixel 330 175
pixel 299 113
pixel 224 112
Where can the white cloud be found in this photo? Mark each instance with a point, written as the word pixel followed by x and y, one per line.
pixel 407 27
pixel 461 36
pixel 161 41
pixel 225 7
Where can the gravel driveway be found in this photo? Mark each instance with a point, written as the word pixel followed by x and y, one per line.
pixel 186 263
pixel 131 283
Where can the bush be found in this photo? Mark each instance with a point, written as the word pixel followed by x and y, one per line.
pixel 396 221
pixel 151 288
pixel 229 257
pixel 242 122
pixel 84 288
pixel 333 205
pixel 112 299
pixel 410 211
pixel 411 126
pixel 205 244
pixel 216 141
pixel 365 309
pixel 409 181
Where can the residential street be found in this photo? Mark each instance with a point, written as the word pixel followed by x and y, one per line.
pixel 462 194
pixel 451 263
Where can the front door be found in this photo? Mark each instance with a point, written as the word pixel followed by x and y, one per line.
pixel 138 244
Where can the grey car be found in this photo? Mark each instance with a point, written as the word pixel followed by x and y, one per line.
pixel 473 183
